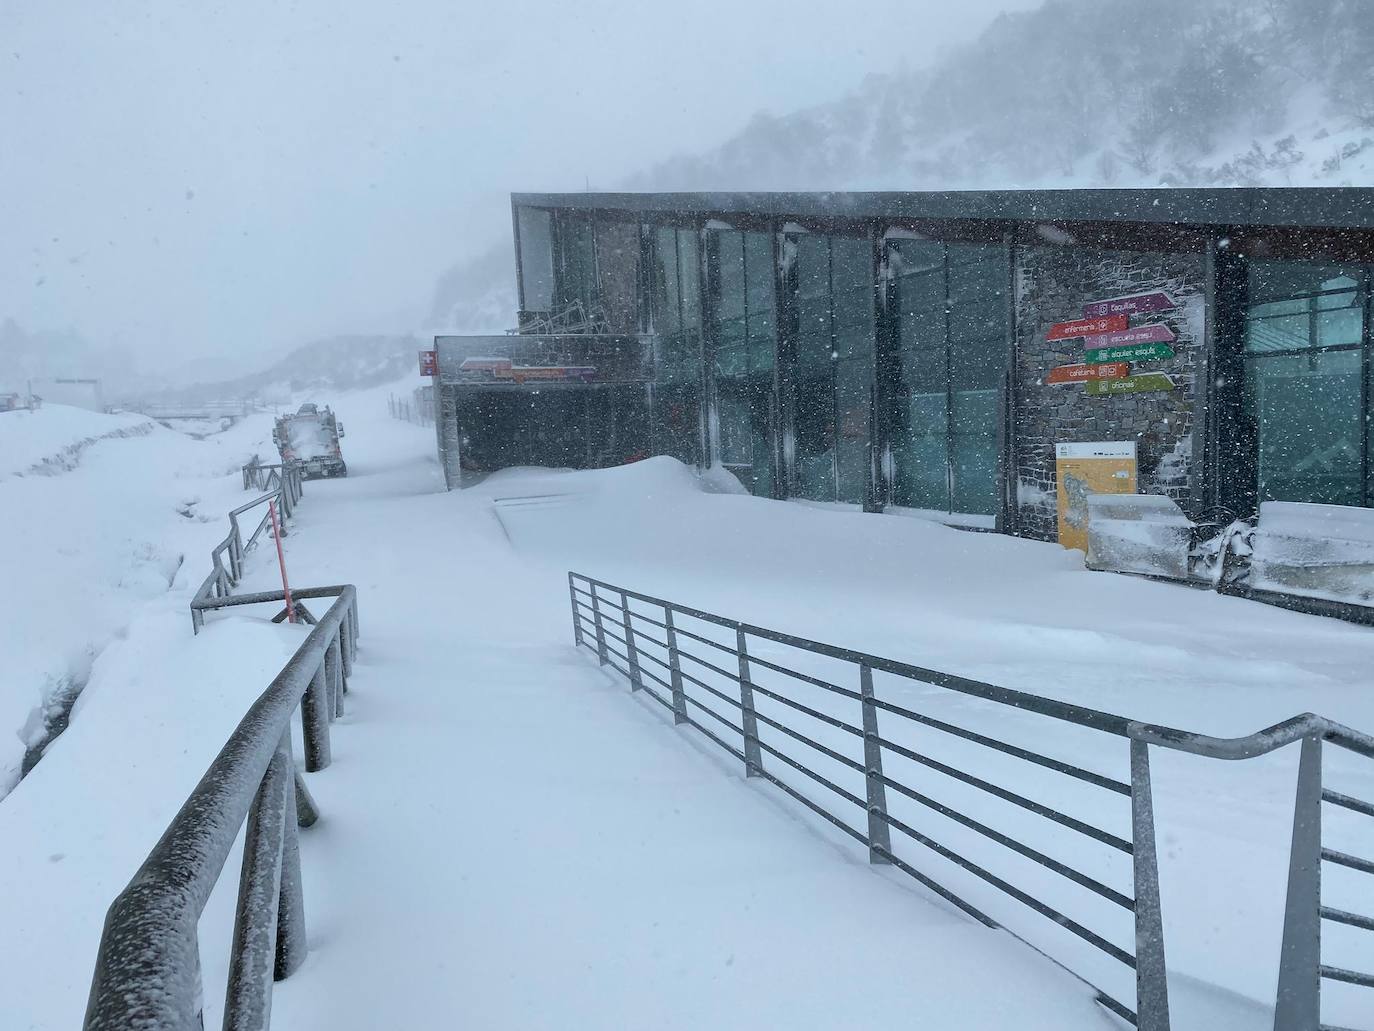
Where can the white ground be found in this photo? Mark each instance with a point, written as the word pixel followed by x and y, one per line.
pixel 103 517
pixel 513 841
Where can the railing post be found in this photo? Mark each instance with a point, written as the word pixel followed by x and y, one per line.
pixel 345 649
pixel 601 656
pixel 248 998
pixel 675 669
pixel 1298 1006
pixel 753 755
pixel 235 549
pixel 317 709
pixel 291 943
pixel 879 832
pixel 1151 977
pixel 577 622
pixel 333 677
pixel 631 652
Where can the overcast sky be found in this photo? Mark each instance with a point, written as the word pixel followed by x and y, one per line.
pixel 198 178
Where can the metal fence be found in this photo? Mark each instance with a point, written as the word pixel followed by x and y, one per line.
pixel 282 484
pixel 881 765
pixel 417 409
pixel 148 970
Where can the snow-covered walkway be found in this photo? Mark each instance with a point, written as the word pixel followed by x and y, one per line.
pixel 510 841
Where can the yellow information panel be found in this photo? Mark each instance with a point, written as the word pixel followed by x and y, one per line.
pixel 1107 467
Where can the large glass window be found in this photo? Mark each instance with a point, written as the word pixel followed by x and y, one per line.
pixel 952 352
pixel 576 262
pixel 1306 382
pixel 617 265
pixel 834 369
pixel 536 258
pixel 743 339
pixel 676 309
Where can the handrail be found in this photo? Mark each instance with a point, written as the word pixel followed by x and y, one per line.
pixel 1245 747
pixel 284 486
pixel 1261 742
pixel 148 967
pixel 612 620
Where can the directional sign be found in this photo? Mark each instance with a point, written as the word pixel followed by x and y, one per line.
pixel 1082 373
pixel 1146 381
pixel 1154 333
pixel 1129 353
pixel 1088 327
pixel 1140 304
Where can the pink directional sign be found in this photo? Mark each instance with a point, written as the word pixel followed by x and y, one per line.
pixel 1155 333
pixel 1140 304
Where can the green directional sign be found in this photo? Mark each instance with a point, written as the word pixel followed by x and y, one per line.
pixel 1129 353
pixel 1146 381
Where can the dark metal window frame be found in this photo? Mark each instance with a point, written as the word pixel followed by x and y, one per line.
pixel 830 231
pixel 1250 418
pixel 710 300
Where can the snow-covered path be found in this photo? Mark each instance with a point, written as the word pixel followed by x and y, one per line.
pixel 512 842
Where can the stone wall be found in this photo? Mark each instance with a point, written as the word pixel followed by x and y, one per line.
pixel 1053 283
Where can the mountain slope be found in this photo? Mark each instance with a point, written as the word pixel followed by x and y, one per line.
pixel 1088 93
pixel 1075 93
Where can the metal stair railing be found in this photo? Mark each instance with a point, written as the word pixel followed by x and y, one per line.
pixel 148 970
pixel 573 317
pixel 284 486
pixel 722 677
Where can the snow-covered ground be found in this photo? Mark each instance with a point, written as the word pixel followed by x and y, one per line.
pixel 511 840
pixel 99 515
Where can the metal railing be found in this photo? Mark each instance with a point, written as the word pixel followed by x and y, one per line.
pixel 884 763
pixel 148 970
pixel 283 486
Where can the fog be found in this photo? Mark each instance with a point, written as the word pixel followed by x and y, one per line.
pixel 186 181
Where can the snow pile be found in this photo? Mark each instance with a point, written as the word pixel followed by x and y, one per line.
pixel 52 438
pixel 159 706
pixel 124 513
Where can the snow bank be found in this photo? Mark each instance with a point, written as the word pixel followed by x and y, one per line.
pixel 125 513
pixel 51 439
pixel 159 706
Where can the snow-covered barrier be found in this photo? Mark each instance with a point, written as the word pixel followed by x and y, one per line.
pixel 1317 551
pixel 148 969
pixel 1138 533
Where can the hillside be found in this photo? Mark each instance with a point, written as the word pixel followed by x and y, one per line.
pixel 1087 93
pixel 1076 93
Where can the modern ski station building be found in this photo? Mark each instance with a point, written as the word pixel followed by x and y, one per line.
pixel 986 359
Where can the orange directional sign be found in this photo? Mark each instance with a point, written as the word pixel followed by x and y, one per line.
pixel 1083 373
pixel 1088 327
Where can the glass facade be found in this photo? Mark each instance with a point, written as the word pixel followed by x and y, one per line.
pixel 535 227
pixel 1306 393
pixel 951 359
pixel 833 374
pixel 676 320
pixel 575 260
pixel 744 344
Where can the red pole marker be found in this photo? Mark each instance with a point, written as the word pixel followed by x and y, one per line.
pixel 281 561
